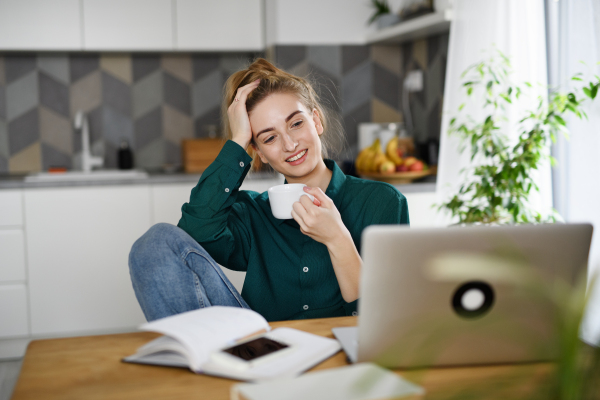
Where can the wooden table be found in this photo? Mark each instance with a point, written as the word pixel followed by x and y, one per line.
pixel 91 368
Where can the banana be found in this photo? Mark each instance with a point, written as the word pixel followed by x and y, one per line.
pixel 391 150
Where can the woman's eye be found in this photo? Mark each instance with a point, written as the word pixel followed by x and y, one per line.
pixel 297 124
pixel 270 139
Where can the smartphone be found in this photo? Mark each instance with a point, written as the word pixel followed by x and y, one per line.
pixel 251 353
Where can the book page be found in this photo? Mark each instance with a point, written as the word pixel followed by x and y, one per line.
pixel 208 329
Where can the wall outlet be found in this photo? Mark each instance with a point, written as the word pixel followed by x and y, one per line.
pixel 414 81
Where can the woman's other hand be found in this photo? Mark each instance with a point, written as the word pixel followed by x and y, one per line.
pixel 238 115
pixel 319 218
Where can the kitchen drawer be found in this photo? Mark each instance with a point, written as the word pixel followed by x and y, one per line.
pixel 13 311
pixel 12 259
pixel 11 208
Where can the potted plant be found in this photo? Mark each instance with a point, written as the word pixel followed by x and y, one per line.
pixel 497 188
pixel 382 14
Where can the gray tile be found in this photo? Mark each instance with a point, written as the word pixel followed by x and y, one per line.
pixel 2 102
pixel 434 121
pixel 326 58
pixel 55 65
pixel 172 153
pixel 204 64
pixel 54 94
pixel 433 82
pixel 357 87
pixel 116 126
pixel 327 87
pixel 111 156
pixel 147 93
pixel 206 93
pixel 96 125
pixel 17 66
pixel 52 157
pixel 116 94
pixel 386 86
pixel 21 95
pixel 4 151
pixel 419 118
pixel 288 56
pixel 351 121
pixel 2 75
pixel 176 93
pixel 23 131
pixel 147 128
pixel 152 155
pixel 81 64
pixel 212 117
pixel 144 64
pixel 234 62
pixel 352 56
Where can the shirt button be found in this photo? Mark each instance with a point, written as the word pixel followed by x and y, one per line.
pixel 226 190
pixel 305 269
pixel 305 307
pixel 354 313
pixel 241 164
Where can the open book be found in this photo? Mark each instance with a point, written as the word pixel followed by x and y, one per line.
pixel 192 339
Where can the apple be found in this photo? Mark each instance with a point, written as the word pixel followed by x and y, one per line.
pixel 387 167
pixel 417 166
pixel 408 161
pixel 402 168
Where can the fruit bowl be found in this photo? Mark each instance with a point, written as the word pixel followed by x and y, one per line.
pixel 398 177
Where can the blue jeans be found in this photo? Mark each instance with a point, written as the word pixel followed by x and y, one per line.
pixel 171 273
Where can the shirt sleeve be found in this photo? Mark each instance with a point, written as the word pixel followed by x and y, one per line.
pixel 214 217
pixel 393 209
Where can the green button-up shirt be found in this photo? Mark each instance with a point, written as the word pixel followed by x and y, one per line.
pixel 288 274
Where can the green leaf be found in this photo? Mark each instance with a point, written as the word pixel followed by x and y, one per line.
pixel 559 119
pixel 587 92
pixel 576 78
pixel 469 91
pixel 594 91
pixel 461 106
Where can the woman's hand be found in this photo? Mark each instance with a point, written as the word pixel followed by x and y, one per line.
pixel 319 219
pixel 238 115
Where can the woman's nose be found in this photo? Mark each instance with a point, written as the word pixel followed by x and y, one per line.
pixel 288 142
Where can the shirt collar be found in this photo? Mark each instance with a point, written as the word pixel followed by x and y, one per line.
pixel 333 189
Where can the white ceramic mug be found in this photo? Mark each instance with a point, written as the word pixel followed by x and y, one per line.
pixel 282 198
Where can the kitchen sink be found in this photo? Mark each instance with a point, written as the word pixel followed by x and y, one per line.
pixel 98 175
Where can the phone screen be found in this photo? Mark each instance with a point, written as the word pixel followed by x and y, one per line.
pixel 255 348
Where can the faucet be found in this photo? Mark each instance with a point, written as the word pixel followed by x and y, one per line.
pixel 87 160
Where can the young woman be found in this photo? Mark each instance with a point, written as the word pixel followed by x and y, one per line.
pixel 308 267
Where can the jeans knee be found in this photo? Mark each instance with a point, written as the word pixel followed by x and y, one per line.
pixel 149 244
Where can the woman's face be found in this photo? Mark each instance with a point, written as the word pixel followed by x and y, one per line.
pixel 286 135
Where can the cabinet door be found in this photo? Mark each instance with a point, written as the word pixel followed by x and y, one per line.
pixel 78 242
pixel 13 311
pixel 231 25
pixel 128 25
pixel 40 25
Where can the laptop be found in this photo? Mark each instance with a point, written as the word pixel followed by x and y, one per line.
pixel 463 295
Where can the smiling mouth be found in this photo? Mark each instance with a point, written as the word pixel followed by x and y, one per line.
pixel 297 156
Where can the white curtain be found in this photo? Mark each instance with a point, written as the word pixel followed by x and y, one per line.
pixel 577 194
pixel 515 27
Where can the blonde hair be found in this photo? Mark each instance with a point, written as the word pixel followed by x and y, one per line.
pixel 274 80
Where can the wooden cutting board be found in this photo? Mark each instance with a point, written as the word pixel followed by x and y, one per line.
pixel 198 154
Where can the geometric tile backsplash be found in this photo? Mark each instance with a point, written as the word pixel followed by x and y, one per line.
pixel 152 101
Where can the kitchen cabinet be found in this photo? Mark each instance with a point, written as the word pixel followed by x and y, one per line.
pixel 40 25
pixel 128 25
pixel 14 316
pixel 208 25
pixel 78 242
